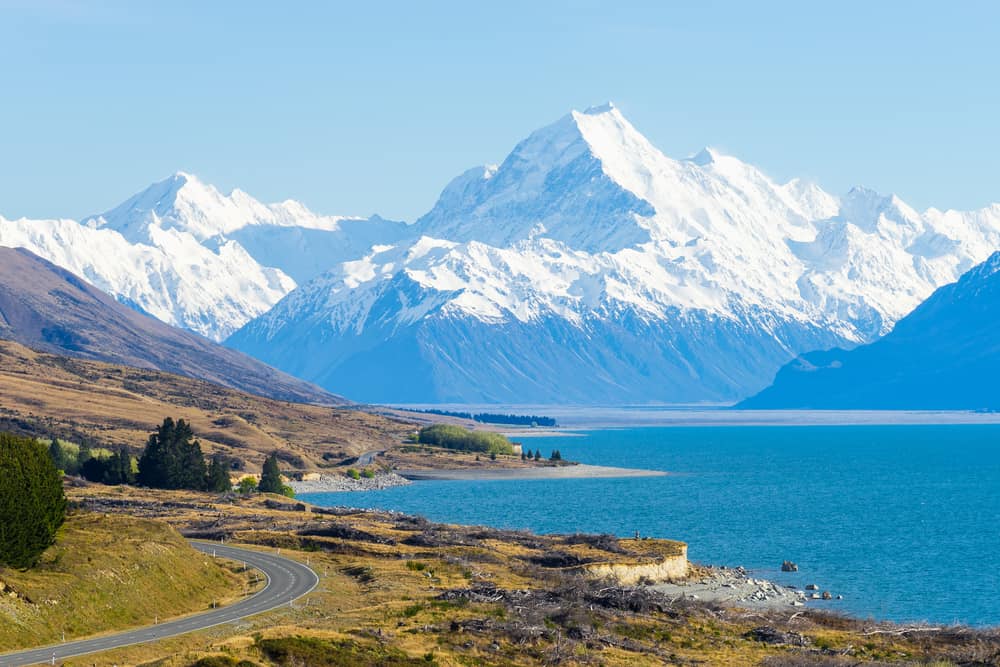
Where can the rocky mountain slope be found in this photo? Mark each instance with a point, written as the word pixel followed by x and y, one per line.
pixel 50 309
pixel 943 355
pixel 589 267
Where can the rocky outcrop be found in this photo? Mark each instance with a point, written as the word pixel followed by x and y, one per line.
pixel 669 568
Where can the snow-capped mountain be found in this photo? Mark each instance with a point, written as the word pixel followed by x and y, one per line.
pixel 590 267
pixel 195 258
pixel 945 355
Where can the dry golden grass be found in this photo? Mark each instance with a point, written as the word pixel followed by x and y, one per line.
pixel 109 572
pixel 48 395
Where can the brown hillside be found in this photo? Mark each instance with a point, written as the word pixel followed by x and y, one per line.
pixel 46 395
pixel 48 308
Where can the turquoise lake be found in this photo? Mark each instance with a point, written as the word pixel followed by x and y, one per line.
pixel 900 520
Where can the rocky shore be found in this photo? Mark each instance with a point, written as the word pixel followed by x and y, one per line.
pixel 735 586
pixel 339 483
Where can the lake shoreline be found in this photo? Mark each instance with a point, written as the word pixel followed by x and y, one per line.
pixel 385 480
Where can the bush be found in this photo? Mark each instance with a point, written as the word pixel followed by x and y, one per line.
pixel 332 653
pixel 461 439
pixel 246 486
pixel 32 504
pixel 368 473
pixel 353 474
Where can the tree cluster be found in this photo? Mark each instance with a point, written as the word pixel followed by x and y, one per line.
pixel 113 470
pixel 32 504
pixel 458 438
pixel 494 417
pixel 173 460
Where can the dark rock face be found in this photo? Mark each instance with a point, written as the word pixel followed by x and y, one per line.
pixel 49 309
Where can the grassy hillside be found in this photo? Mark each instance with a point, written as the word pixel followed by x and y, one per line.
pixel 46 395
pixel 109 572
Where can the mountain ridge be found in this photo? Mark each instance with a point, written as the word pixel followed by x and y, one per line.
pixel 50 309
pixel 943 355
pixel 586 223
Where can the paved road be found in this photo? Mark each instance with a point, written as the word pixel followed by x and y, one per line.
pixel 287 580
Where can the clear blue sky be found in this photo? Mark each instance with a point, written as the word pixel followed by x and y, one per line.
pixel 362 107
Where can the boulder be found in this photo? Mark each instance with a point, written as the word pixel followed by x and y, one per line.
pixel 789 566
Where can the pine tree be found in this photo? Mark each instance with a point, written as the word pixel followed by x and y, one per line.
pixel 538 455
pixel 118 468
pixel 270 479
pixel 56 454
pixel 172 458
pixel 218 477
pixel 32 504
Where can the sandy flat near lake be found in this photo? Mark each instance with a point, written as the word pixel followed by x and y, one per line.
pixel 580 471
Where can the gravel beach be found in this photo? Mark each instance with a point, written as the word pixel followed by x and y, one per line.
pixel 734 586
pixel 338 483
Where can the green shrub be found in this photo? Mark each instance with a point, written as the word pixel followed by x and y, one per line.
pixel 353 474
pixel 368 473
pixel 222 661
pixel 247 486
pixel 32 504
pixel 317 652
pixel 462 439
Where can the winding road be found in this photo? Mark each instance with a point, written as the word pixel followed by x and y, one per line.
pixel 287 581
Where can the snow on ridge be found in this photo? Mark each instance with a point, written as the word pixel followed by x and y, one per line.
pixel 583 218
pixel 586 214
pixel 187 254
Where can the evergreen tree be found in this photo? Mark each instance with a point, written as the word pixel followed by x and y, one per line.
pixel 93 469
pixel 218 477
pixel 118 468
pixel 56 454
pixel 172 458
pixel 538 455
pixel 32 504
pixel 270 479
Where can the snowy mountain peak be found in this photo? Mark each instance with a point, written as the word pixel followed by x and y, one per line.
pixel 181 202
pixel 571 178
pixel 705 156
pixel 607 107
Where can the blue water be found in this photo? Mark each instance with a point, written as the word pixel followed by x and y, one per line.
pixel 901 520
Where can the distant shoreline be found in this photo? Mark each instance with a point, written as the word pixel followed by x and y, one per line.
pixel 578 471
pixel 572 420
